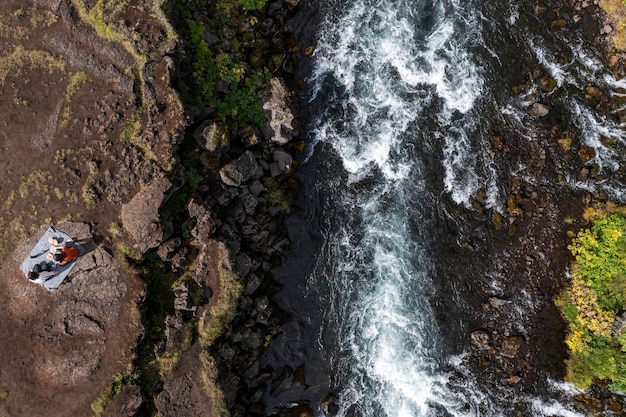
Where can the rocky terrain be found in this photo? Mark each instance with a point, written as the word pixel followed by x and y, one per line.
pixel 182 213
pixel 92 135
pixel 89 119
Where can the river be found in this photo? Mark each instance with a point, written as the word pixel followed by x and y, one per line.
pixel 401 102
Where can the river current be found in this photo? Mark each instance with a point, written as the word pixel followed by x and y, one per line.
pixel 401 100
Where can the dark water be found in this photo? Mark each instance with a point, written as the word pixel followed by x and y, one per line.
pixel 401 99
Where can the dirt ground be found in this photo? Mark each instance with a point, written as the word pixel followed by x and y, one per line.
pixel 86 118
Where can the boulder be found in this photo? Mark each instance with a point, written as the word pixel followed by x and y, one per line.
pixel 279 110
pixel 212 135
pixel 283 160
pixel 240 170
pixel 140 216
pixel 539 110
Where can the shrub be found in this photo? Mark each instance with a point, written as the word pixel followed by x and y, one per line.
pixel 241 103
pixel 590 306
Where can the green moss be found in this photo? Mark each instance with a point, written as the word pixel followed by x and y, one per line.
pixel 591 305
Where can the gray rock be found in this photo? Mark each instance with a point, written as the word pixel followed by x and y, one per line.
pixel 256 188
pixel 279 109
pixel 212 135
pixel 254 282
pixel 240 170
pixel 283 159
pixel 249 201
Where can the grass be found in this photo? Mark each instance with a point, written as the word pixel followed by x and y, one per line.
pixel 592 303
pixel 211 387
pixel 119 381
pixel 76 81
pixel 22 61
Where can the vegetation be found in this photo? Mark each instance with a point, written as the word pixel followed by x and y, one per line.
pixel 616 12
pixel 240 103
pixel 108 394
pixel 245 4
pixel 591 306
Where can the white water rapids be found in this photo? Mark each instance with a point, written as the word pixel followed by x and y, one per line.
pixel 400 81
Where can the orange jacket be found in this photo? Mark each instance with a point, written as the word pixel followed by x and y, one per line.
pixel 71 253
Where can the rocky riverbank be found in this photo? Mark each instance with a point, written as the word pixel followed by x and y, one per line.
pixel 514 335
pixel 184 205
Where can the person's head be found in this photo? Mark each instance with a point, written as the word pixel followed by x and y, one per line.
pixel 59 256
pixel 33 275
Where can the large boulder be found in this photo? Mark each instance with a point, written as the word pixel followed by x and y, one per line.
pixel 140 216
pixel 240 170
pixel 279 109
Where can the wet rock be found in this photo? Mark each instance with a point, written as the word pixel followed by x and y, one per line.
pixel 586 153
pixel 547 84
pixel 565 144
pixel 510 346
pixel 240 170
pixel 481 340
pixel 297 411
pixel 539 110
pixel 495 302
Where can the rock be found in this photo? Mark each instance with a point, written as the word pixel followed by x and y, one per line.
pixel 249 201
pixel 254 282
pixel 565 144
pixel 586 153
pixel 539 110
pixel 240 170
pixel 140 216
pixel 278 104
pixel 497 302
pixel 248 135
pixel 547 84
pixel 256 188
pixel 481 340
pixel 206 224
pixel 126 403
pixel 166 249
pixel 212 136
pixel 510 346
pixel 242 264
pixel 283 159
pixel 181 299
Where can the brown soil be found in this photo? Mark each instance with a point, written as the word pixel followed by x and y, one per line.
pixel 79 92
